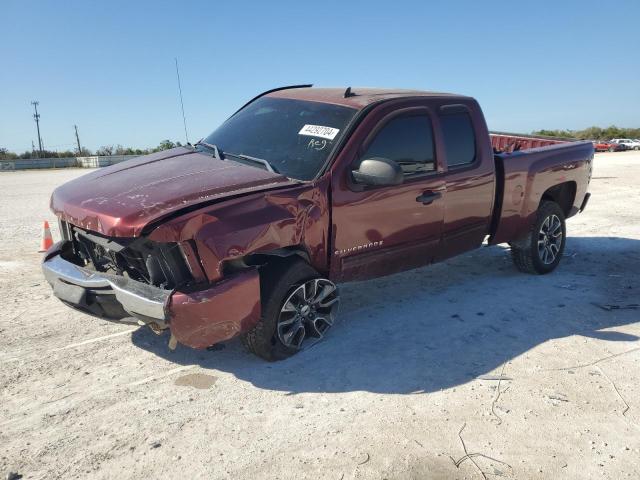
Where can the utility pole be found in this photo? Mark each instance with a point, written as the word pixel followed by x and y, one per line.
pixel 33 148
pixel 36 115
pixel 78 140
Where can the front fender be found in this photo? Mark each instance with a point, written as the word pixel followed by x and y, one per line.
pixel 256 223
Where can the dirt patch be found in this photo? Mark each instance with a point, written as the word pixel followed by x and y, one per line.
pixel 201 381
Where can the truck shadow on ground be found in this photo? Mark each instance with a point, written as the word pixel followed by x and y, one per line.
pixel 441 326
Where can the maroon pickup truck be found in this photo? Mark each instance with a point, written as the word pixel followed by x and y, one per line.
pixel 248 231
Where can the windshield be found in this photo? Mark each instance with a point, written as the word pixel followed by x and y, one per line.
pixel 294 136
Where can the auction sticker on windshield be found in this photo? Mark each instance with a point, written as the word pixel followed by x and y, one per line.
pixel 319 131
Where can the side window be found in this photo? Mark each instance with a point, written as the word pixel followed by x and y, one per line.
pixel 407 141
pixel 459 138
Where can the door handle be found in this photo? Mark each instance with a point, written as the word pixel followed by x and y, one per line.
pixel 428 197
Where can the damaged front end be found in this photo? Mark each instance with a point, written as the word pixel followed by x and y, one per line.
pixel 159 284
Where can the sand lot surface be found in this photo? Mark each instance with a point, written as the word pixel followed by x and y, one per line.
pixel 466 369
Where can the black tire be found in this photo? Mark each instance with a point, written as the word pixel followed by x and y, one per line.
pixel 276 283
pixel 527 255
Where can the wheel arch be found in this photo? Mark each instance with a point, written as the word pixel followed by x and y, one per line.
pixel 277 258
pixel 564 194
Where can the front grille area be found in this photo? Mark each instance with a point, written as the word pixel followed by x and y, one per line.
pixel 159 264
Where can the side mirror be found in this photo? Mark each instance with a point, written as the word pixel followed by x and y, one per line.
pixel 378 171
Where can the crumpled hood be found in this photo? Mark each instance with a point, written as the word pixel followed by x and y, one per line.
pixel 122 199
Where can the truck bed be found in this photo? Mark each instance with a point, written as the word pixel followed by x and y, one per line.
pixel 504 142
pixel 524 177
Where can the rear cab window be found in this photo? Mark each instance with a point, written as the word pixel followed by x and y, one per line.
pixel 459 136
pixel 408 141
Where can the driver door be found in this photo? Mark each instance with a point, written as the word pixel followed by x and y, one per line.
pixel 379 230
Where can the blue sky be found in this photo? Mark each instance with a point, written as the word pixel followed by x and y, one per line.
pixel 109 66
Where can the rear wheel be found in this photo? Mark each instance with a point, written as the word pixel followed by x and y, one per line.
pixel 542 250
pixel 298 308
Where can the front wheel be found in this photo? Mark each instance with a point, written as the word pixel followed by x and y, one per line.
pixel 298 308
pixel 542 250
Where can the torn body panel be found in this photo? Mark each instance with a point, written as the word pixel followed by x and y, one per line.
pixel 202 318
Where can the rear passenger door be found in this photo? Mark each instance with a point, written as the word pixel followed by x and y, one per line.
pixel 469 179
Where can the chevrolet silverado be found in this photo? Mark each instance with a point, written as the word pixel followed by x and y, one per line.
pixel 247 232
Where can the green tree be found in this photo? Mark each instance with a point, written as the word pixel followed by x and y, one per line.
pixel 165 145
pixel 105 150
pixel 593 133
pixel 7 155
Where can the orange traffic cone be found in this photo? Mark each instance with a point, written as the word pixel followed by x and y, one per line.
pixel 47 240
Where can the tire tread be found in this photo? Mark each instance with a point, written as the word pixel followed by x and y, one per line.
pixel 523 255
pixel 275 281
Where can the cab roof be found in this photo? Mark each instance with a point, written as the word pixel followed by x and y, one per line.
pixel 354 97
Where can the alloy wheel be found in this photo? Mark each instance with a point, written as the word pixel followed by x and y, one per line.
pixel 549 239
pixel 307 313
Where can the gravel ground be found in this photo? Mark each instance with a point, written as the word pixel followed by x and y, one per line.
pixel 443 372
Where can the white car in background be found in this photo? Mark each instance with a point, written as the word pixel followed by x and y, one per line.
pixel 631 144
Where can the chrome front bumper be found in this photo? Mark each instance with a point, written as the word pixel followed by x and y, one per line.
pixel 84 288
pixel 197 317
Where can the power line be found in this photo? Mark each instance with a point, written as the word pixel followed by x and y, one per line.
pixel 62 145
pixel 184 119
pixel 36 115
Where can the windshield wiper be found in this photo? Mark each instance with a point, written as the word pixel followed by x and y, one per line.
pixel 220 155
pixel 249 158
pixel 216 151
